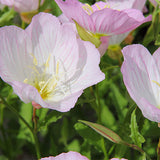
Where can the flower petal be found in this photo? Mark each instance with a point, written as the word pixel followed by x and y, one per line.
pixel 15 47
pixel 140 75
pixel 149 111
pixel 117 22
pixel 74 11
pixel 91 73
pixel 71 155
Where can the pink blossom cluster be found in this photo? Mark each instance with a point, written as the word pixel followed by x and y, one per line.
pixel 53 60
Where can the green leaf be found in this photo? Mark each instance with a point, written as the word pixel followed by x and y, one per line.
pixel 137 138
pixel 26 113
pixel 7 16
pixel 3 157
pixel 149 37
pixel 108 120
pixel 48 117
pixel 89 135
pixel 105 132
pixel 119 101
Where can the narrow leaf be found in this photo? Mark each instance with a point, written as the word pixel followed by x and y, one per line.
pixel 105 132
pixel 137 138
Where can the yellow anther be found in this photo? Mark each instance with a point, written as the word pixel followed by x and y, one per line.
pixel 47 62
pixel 35 62
pixel 156 82
pixel 98 6
pixel 88 8
pixel 26 80
pixel 57 68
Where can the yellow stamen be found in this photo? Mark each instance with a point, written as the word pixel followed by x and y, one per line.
pixel 99 8
pixel 35 62
pixel 44 84
pixel 156 82
pixel 88 8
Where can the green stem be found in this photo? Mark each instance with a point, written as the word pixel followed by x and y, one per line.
pixel 39 4
pixel 99 121
pixel 23 25
pixel 158 150
pixel 35 133
pixel 7 146
pixel 104 149
pixel 25 122
pixel 98 104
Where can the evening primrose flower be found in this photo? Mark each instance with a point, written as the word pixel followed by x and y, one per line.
pixel 126 4
pixel 46 64
pixel 98 22
pixel 122 5
pixel 118 159
pixel 22 5
pixel 141 76
pixel 67 156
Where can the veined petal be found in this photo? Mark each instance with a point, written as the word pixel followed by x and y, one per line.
pixel 117 39
pixel 156 56
pixel 117 22
pixel 90 73
pixel 47 63
pixel 71 155
pixel 73 9
pixel 21 5
pixel 15 47
pixel 7 2
pixel 141 76
pixel 149 111
pixel 65 104
pixel 104 45
pixel 43 35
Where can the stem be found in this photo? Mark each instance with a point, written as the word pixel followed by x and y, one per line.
pixel 23 25
pixel 7 145
pixel 34 119
pixel 35 133
pixel 39 4
pixel 12 109
pixel 104 149
pixel 158 150
pixel 99 120
pixel 99 104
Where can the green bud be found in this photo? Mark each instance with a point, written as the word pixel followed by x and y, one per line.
pixel 89 36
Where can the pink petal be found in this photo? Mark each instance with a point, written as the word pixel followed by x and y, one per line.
pixel 117 22
pixel 149 111
pixel 74 11
pixel 91 73
pixel 28 93
pixel 156 56
pixel 104 45
pixel 43 35
pixel 15 47
pixel 139 71
pixel 67 156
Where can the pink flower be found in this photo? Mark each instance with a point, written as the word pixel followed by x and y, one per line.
pixel 122 5
pixel 46 64
pixel 100 21
pixel 22 5
pixel 141 76
pixel 67 156
pixel 118 159
pixel 126 4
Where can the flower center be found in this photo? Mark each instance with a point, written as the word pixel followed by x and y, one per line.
pixel 44 82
